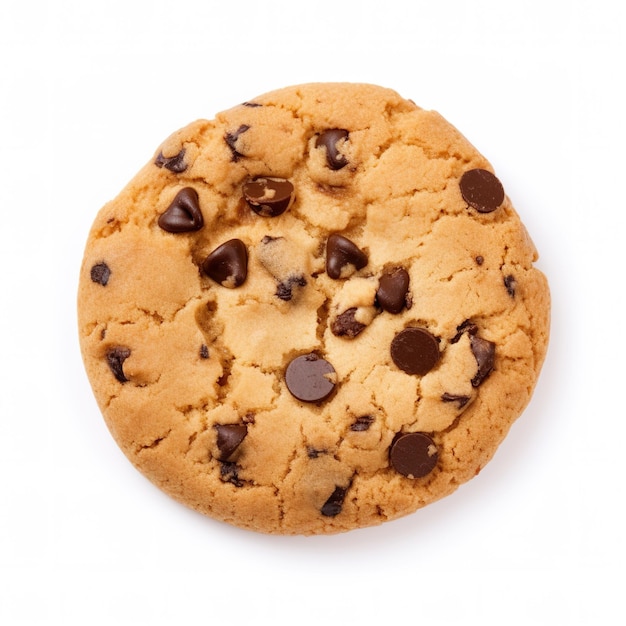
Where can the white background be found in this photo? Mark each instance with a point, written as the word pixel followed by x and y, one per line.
pixel 88 91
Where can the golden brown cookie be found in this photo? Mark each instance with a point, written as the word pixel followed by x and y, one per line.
pixel 314 313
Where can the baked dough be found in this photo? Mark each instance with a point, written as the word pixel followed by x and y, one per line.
pixel 314 313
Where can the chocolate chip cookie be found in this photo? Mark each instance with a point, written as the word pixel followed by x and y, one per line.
pixel 314 313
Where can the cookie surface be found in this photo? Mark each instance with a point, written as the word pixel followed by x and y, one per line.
pixel 315 313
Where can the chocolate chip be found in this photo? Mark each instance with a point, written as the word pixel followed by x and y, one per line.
pixel 229 473
pixel 484 351
pixel 115 358
pixel 510 283
pixel 310 378
pixel 229 436
pixel 343 257
pixel 100 273
pixel 479 260
pixel 393 288
pixel 334 504
pixel 228 264
pixel 415 351
pixel 174 164
pixel 252 105
pixel 268 197
pixel 183 215
pixel 314 453
pixel 231 141
pixel 286 261
pixel 413 454
pixel 481 190
pixel 466 327
pixel 461 400
pixel 284 290
pixel 362 423
pixel 345 325
pixel 204 351
pixel 329 140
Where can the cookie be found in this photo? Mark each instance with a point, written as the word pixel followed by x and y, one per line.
pixel 314 313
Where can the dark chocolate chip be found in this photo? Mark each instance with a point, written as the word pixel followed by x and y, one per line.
pixel 314 453
pixel 174 164
pixel 345 325
pixel 484 351
pixel 115 358
pixel 283 260
pixel 100 273
pixel 228 264
pixel 252 105
pixel 461 400
pixel 334 504
pixel 229 436
pixel 362 423
pixel 481 190
pixel 204 351
pixel 268 197
pixel 466 327
pixel 229 473
pixel 413 454
pixel 479 260
pixel 310 378
pixel 393 288
pixel 415 351
pixel 231 141
pixel 284 289
pixel 342 253
pixel 329 140
pixel 183 215
pixel 510 283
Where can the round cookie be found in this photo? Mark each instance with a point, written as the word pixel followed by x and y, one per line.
pixel 314 313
